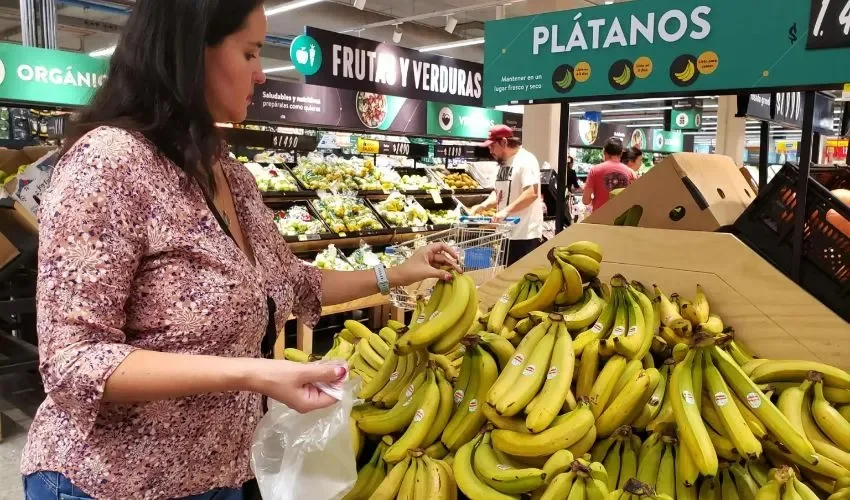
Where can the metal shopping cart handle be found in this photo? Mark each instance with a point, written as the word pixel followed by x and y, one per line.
pixel 478 219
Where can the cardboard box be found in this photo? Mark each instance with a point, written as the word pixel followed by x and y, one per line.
pixel 687 191
pixel 15 222
pixel 29 185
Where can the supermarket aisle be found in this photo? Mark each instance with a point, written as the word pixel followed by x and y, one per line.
pixel 20 395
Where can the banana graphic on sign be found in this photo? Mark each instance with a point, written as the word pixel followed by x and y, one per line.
pixel 688 73
pixel 624 78
pixel 566 81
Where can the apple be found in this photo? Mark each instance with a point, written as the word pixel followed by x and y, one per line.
pixel 302 56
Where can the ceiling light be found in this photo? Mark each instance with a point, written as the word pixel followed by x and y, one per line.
pixel 397 34
pixel 108 51
pixel 360 4
pixel 642 125
pixel 635 119
pixel 609 2
pixel 648 99
pixel 286 7
pixel 636 110
pixel 452 45
pixel 279 69
pixel 451 24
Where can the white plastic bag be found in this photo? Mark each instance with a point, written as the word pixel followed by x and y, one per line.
pixel 306 455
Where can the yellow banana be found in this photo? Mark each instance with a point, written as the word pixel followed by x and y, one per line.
pixel 560 487
pixel 588 368
pixel 759 471
pixel 713 325
pixel 565 431
pixel 296 355
pixel 466 478
pixel 400 378
pixel 588 248
pixel 500 347
pixel 450 338
pixel 502 476
pixel 572 287
pixel 444 411
pixel 632 397
pixel 803 491
pixel 633 367
pixel 628 464
pixel 448 313
pixel 513 371
pixel 507 423
pixel 584 314
pixel 820 442
pixel 670 314
pixel 503 306
pixel 437 450
pixel 603 388
pixel 653 405
pixel 473 418
pixel 390 486
pixel 396 326
pixel 687 471
pixel 422 480
pixel 557 381
pixel 688 418
pixel 746 486
pixel 723 446
pixel 761 405
pixel 408 483
pixel 665 483
pixel 829 419
pixel 399 416
pixel 599 329
pixel 630 343
pixel 371 475
pixel 755 425
pixel 796 371
pixel 612 462
pixel 587 266
pixel 445 364
pixel 582 447
pixel 700 304
pixel 369 355
pixel 544 299
pixel 559 462
pixel 358 364
pixel 345 334
pixel 734 424
pixel 595 489
pixel 650 463
pixel 379 345
pixel 579 488
pixel 382 377
pixel 358 329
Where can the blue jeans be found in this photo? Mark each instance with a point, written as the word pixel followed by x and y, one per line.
pixel 55 486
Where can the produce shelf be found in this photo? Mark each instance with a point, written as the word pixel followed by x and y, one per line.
pixel 773 316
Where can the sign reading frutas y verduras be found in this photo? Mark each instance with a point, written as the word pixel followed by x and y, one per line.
pixel 29 74
pixel 347 62
pixel 664 47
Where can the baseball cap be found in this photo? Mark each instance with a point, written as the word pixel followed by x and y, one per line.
pixel 498 133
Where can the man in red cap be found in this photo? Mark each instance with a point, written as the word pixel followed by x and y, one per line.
pixel 517 191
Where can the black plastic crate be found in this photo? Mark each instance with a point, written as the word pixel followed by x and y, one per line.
pixel 767 226
pixel 832 177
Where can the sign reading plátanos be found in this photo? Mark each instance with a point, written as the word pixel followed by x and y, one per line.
pixel 29 74
pixel 347 62
pixel 658 47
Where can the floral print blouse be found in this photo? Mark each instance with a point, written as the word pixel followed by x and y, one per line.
pixel 130 258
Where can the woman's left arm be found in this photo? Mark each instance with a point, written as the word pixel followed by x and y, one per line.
pixel 428 262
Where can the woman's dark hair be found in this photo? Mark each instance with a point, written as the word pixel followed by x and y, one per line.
pixel 155 84
pixel 630 154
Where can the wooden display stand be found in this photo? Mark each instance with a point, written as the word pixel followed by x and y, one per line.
pixel 379 307
pixel 772 316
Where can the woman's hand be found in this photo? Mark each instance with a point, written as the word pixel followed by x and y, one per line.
pixel 292 383
pixel 427 262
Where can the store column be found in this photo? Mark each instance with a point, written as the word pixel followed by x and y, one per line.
pixel 731 130
pixel 38 23
pixel 540 121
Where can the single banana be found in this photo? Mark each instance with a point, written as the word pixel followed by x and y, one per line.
pixel 761 405
pixel 408 482
pixel 390 486
pixel 357 363
pixel 595 489
pixel 759 471
pixel 631 398
pixel 696 436
pixel 587 266
pixel 713 325
pixel 368 353
pixel 653 405
pixel 701 306
pixel 628 464
pixel 557 383
pixel 829 419
pixel 504 477
pixel 450 338
pixel 446 365
pixel 820 442
pixel 500 347
pixel 396 326
pixel 687 471
pixel 296 355
pixel 600 328
pixel 824 466
pixel 559 462
pixel 613 462
pixel 379 345
pixel 728 490
pixel 796 371
pixel 650 463
pixel 399 416
pixel 665 483
pixel 422 480
pixel 734 424
pixel 544 299
pixel 630 344
pixel 444 411
pixel 503 306
pixel 582 447
pixel 453 305
pixel 723 446
pixel 603 387
pixel 670 314
pixel 585 313
pixel 507 423
pixel 437 450
pixel 560 487
pixel 756 427
pixel 745 485
pixel 345 334
pixel 382 377
pixel 710 489
pixel 588 248
pixel 572 289
pixel 588 369
pixel 466 478
pixel 803 491
pixel 579 488
pixel 358 329
pixel 565 431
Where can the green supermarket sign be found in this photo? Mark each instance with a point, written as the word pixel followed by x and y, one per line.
pixel 33 75
pixel 452 120
pixel 663 47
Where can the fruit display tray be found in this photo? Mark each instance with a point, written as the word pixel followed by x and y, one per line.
pixel 771 315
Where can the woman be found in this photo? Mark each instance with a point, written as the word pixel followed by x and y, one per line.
pixel 160 272
pixel 632 158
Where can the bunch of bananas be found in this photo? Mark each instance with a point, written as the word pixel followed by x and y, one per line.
pixel 783 483
pixel 417 477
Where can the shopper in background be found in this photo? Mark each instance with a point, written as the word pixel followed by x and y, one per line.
pixel 609 175
pixel 517 191
pixel 572 176
pixel 633 158
pixel 161 272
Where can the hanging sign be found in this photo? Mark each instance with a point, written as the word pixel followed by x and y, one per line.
pixel 829 24
pixel 663 47
pixel 408 149
pixel 686 115
pixel 347 62
pixel 664 141
pixel 269 140
pixel 368 146
pixel 461 121
pixel 588 134
pixel 29 74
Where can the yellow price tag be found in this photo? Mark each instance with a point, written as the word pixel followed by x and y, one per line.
pixel 846 93
pixel 368 146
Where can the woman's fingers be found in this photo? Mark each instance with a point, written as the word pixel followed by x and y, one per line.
pixel 445 260
pixel 438 248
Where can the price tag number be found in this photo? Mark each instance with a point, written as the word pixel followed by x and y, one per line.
pixel 285 141
pixel 400 148
pixel 830 24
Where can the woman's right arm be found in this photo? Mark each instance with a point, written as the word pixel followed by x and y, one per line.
pixel 93 233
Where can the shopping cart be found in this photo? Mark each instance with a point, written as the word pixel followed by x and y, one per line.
pixel 480 243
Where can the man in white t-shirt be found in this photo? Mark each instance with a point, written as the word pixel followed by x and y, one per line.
pixel 517 191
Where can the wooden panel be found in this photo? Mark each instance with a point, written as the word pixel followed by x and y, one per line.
pixel 771 315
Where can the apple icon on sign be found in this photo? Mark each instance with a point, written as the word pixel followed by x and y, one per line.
pixel 302 56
